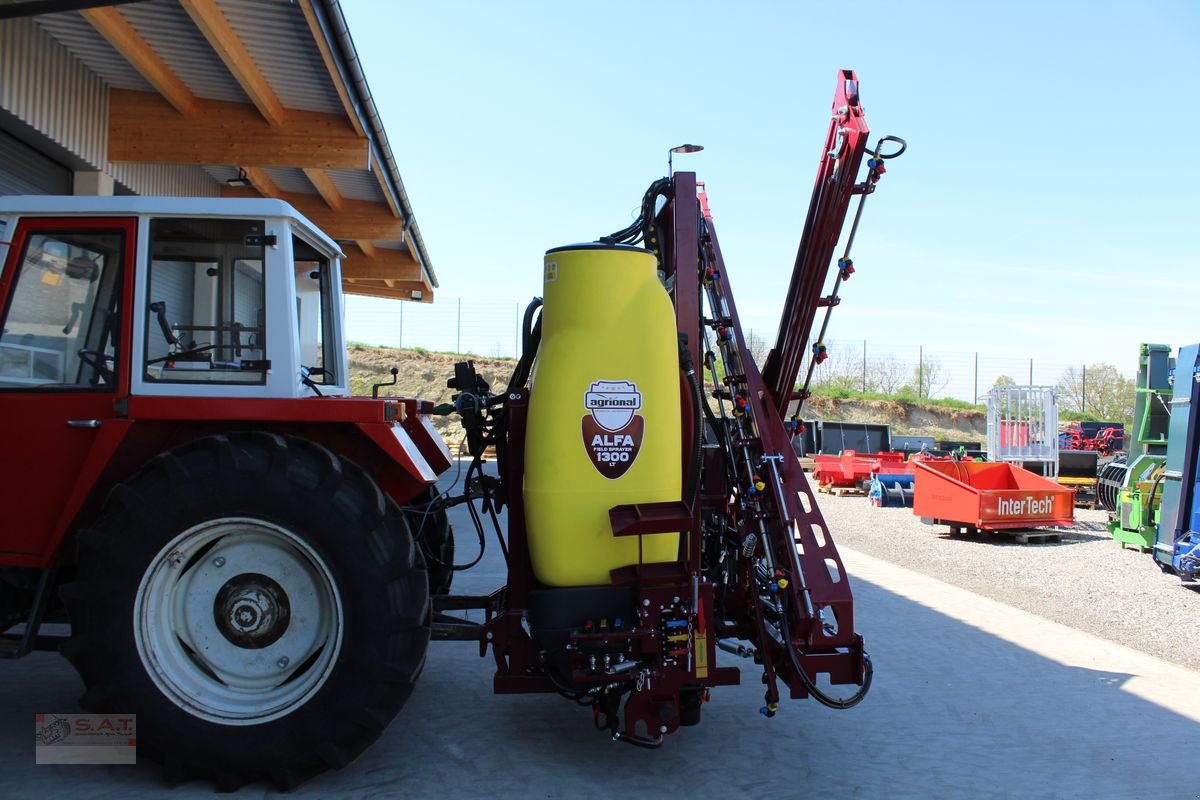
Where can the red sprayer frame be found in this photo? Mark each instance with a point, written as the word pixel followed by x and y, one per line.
pixel 790 596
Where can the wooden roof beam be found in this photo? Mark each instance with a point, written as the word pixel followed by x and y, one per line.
pixel 386 265
pixel 224 40
pixel 143 128
pixel 328 190
pixel 109 23
pixel 325 187
pixel 331 66
pixel 359 220
pixel 261 181
pixel 401 290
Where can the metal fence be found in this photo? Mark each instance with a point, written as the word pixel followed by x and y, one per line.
pixel 963 375
pixel 488 329
pixel 452 325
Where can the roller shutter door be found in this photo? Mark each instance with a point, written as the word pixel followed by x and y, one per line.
pixel 24 170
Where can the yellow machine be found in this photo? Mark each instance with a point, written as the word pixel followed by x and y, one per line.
pixel 604 416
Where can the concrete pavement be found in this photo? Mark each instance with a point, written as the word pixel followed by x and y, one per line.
pixel 972 698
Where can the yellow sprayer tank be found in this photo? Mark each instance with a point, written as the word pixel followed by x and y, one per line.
pixel 604 413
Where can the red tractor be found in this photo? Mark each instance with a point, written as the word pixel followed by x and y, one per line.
pixel 243 551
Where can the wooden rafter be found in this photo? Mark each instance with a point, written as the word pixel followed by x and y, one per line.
pixel 144 129
pixel 324 186
pixel 358 220
pixel 224 40
pixel 400 290
pixel 331 66
pixel 385 265
pixel 110 24
pixel 261 181
pixel 377 168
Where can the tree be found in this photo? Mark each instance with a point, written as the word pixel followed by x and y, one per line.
pixel 1004 380
pixel 758 348
pixel 1098 390
pixel 885 374
pixel 841 370
pixel 928 378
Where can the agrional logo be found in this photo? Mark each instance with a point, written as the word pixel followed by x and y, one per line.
pixel 612 428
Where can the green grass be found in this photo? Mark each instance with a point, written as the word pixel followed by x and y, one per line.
pixel 901 397
pixel 1077 416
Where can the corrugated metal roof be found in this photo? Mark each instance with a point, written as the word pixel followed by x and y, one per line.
pixel 221 173
pixel 356 184
pixel 290 180
pixel 285 178
pixel 168 29
pixel 296 74
pixel 75 33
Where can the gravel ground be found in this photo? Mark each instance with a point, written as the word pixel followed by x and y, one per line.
pixel 1085 581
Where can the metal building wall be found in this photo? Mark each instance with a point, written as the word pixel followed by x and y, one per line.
pixel 52 92
pixel 45 87
pixel 166 180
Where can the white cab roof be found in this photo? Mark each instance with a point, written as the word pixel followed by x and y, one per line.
pixel 44 205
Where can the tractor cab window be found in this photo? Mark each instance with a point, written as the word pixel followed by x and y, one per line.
pixel 205 312
pixel 314 313
pixel 61 328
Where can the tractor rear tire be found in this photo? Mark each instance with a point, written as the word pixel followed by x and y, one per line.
pixel 435 538
pixel 257 602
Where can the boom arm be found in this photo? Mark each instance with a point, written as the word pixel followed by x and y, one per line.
pixel 845 144
pixel 794 600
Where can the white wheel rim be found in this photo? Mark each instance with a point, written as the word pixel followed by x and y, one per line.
pixel 238 621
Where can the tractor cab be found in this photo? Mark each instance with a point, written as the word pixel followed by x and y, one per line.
pixel 169 296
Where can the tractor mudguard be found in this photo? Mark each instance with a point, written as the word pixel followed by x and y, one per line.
pixel 107 442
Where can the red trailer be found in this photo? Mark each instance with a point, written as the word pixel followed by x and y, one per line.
pixel 851 470
pixel 990 496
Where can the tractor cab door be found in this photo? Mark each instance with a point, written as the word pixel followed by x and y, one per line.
pixel 64 367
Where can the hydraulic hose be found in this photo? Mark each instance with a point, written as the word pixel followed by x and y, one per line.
pixel 817 694
pixel 531 339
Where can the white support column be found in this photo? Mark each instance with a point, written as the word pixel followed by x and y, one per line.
pixel 92 183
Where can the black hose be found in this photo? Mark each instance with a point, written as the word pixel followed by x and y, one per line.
pixel 818 695
pixel 531 336
pixel 474 518
pixel 878 151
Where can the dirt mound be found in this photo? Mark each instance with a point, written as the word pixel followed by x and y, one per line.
pixel 421 374
pixel 909 419
pixel 424 374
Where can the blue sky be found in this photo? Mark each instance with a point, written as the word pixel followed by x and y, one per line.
pixel 1045 207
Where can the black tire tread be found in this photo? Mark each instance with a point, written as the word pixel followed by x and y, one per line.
pixel 338 508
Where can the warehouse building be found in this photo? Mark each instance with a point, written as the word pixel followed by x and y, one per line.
pixel 208 98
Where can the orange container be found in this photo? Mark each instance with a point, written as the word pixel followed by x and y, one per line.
pixel 990 496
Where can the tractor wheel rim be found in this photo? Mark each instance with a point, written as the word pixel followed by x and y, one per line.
pixel 238 621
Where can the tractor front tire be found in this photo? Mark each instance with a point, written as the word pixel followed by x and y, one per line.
pixel 435 538
pixel 257 602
